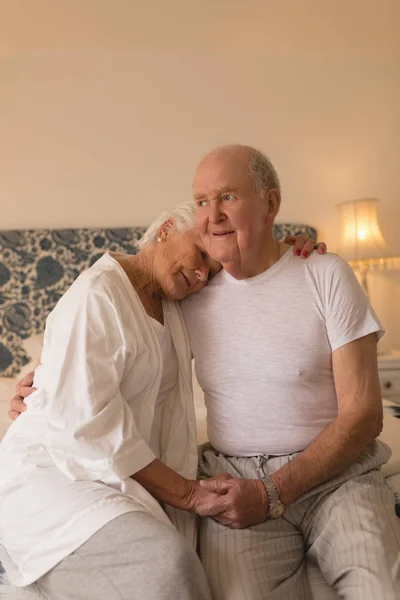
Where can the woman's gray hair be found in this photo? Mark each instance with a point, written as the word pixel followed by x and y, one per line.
pixel 184 215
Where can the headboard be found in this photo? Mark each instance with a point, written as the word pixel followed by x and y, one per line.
pixel 37 266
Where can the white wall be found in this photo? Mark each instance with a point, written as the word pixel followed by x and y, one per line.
pixel 106 107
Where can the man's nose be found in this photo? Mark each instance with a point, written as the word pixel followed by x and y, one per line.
pixel 215 214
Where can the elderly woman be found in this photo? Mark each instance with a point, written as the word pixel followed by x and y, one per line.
pixel 96 469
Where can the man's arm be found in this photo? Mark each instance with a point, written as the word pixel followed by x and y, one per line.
pixel 359 422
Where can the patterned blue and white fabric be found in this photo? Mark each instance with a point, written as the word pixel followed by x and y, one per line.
pixel 37 266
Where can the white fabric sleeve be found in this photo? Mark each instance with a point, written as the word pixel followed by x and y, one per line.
pixel 92 433
pixel 348 313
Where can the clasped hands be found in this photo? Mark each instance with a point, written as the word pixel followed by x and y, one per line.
pixel 235 503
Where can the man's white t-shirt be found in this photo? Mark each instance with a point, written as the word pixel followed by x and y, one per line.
pixel 263 351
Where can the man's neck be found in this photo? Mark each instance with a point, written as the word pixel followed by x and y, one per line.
pixel 256 262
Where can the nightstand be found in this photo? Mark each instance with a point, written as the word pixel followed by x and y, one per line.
pixel 389 375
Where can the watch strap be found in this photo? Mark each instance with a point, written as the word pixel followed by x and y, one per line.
pixel 274 500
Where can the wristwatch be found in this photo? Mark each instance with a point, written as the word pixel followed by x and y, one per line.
pixel 276 508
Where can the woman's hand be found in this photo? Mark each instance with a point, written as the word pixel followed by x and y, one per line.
pixel 208 502
pixel 23 390
pixel 167 486
pixel 304 245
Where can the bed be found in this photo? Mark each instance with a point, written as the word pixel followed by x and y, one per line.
pixel 36 267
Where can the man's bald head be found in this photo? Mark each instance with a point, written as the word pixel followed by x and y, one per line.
pixel 246 158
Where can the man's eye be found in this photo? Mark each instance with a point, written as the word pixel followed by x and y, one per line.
pixel 201 203
pixel 228 197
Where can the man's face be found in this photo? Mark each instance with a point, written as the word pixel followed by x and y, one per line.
pixel 230 214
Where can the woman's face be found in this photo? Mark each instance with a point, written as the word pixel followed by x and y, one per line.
pixel 184 267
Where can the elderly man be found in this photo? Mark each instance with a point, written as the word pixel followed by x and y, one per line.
pixel 285 351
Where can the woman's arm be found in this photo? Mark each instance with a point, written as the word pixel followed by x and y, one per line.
pixel 92 433
pixel 167 486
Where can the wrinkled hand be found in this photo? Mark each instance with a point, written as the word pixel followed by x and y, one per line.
pixel 205 502
pixel 246 501
pixel 23 390
pixel 304 245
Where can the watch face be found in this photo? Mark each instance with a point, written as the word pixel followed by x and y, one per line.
pixel 276 511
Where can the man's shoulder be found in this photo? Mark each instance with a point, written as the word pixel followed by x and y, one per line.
pixel 318 261
pixel 321 264
pixel 320 273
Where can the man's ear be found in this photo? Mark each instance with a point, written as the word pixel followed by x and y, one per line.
pixel 274 202
pixel 166 229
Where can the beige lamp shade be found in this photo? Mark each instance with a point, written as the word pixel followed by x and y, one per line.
pixel 360 235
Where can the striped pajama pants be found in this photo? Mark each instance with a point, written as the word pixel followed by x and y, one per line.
pixel 348 526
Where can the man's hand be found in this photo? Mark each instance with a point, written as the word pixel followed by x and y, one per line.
pixel 246 500
pixel 23 390
pixel 304 245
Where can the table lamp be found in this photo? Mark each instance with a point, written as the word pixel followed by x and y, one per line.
pixel 361 241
